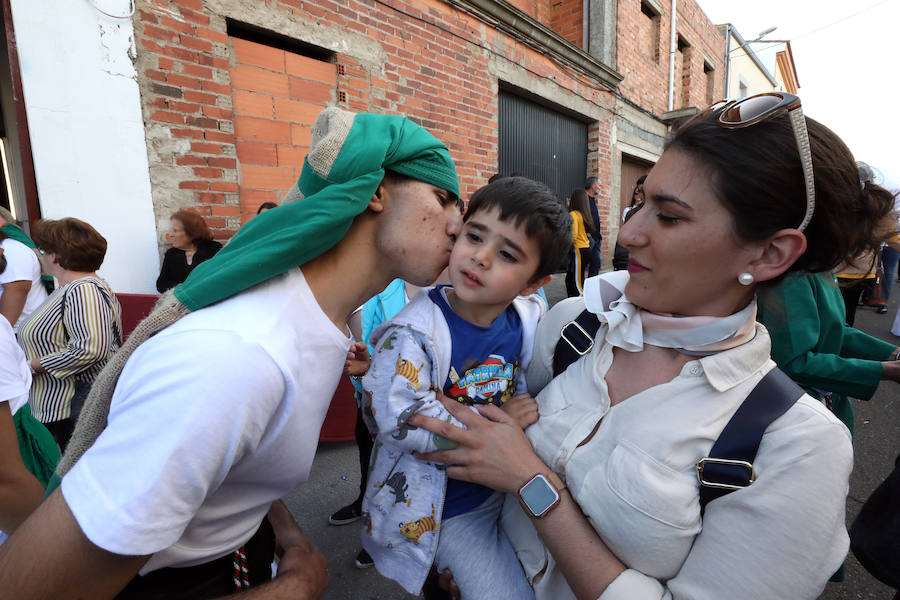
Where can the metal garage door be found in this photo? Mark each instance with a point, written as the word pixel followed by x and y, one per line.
pixel 538 142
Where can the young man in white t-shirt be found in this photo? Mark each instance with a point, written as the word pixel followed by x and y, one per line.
pixel 217 416
pixel 19 490
pixel 21 289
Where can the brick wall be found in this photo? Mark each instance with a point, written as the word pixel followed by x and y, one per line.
pixel 566 18
pixel 643 56
pixel 277 95
pixel 227 122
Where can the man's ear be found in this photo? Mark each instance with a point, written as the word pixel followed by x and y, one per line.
pixel 778 253
pixel 377 203
pixel 535 285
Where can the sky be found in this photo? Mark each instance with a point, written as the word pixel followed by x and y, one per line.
pixel 847 65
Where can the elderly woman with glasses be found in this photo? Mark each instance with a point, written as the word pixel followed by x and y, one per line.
pixel 69 338
pixel 671 459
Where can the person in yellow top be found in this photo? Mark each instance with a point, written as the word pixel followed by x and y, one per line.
pixel 582 227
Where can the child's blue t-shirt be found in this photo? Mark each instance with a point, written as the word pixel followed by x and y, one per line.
pixel 484 365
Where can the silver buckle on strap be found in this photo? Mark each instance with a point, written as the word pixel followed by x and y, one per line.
pixel 728 462
pixel 587 336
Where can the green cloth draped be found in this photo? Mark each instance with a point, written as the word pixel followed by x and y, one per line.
pixel 13 232
pixel 17 234
pixel 36 445
pixel 292 234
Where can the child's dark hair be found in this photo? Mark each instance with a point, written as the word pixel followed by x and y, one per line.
pixel 534 205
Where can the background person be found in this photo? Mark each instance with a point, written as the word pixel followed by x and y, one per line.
pixel 620 255
pixel 20 490
pixel 595 254
pixel 70 337
pixel 192 244
pixel 726 210
pixel 21 288
pixel 582 228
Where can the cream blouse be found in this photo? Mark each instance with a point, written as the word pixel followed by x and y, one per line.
pixel 782 537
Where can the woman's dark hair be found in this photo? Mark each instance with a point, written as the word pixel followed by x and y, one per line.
pixel 194 225
pixel 535 206
pixel 76 244
pixel 265 206
pixel 756 173
pixel 579 201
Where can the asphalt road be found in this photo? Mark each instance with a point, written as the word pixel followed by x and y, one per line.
pixel 334 482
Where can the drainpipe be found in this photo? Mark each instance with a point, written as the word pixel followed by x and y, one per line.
pixel 727 58
pixel 672 48
pixel 586 25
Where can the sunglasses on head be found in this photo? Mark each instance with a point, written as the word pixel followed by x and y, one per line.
pixel 735 114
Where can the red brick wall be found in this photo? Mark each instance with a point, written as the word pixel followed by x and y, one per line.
pixel 277 96
pixel 643 56
pixel 201 91
pixel 566 19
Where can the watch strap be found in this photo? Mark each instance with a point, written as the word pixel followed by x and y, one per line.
pixel 555 480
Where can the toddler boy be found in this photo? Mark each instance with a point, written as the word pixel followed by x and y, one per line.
pixel 471 341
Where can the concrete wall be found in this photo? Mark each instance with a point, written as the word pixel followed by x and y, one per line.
pixel 87 134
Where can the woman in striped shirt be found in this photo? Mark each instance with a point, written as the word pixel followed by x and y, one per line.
pixel 71 336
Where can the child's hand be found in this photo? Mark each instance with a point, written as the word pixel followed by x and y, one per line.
pixel 358 360
pixel 523 409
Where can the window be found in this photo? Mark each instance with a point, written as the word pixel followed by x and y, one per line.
pixel 710 73
pixel 653 13
pixel 684 48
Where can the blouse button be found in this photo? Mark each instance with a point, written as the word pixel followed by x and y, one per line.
pixel 695 369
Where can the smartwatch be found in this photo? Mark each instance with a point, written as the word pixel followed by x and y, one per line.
pixel 540 494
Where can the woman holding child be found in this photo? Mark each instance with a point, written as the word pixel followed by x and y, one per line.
pixel 739 198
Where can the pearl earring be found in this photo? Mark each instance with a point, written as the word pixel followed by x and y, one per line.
pixel 745 278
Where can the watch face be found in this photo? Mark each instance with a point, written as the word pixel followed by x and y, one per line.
pixel 538 495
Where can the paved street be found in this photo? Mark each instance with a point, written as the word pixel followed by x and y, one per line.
pixel 335 479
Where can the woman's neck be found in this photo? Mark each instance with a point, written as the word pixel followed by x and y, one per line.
pixel 67 277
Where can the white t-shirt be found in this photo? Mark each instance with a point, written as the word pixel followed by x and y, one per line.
pixel 15 375
pixel 212 419
pixel 22 264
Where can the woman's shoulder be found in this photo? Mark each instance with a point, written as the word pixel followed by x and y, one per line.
pixel 208 245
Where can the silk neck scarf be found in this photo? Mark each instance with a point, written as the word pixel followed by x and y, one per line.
pixel 630 327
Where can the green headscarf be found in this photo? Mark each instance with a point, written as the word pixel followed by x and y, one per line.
pixel 347 161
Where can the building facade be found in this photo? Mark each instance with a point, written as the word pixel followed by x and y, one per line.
pixel 136 109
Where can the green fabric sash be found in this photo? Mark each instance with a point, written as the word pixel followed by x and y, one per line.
pixel 17 234
pixel 36 445
pixel 293 234
pixel 13 232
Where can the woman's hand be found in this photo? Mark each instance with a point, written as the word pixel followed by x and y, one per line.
pixel 358 360
pixel 492 451
pixel 523 409
pixel 35 364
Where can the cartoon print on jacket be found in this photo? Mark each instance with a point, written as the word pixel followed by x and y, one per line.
pixel 416 529
pixel 406 369
pixel 402 426
pixel 398 485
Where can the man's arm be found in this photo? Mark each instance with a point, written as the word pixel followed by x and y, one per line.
pixel 49 557
pixel 20 492
pixel 12 301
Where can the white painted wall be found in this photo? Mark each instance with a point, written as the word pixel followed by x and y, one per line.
pixel 87 133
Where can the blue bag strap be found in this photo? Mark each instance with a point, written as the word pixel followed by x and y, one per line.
pixel 729 466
